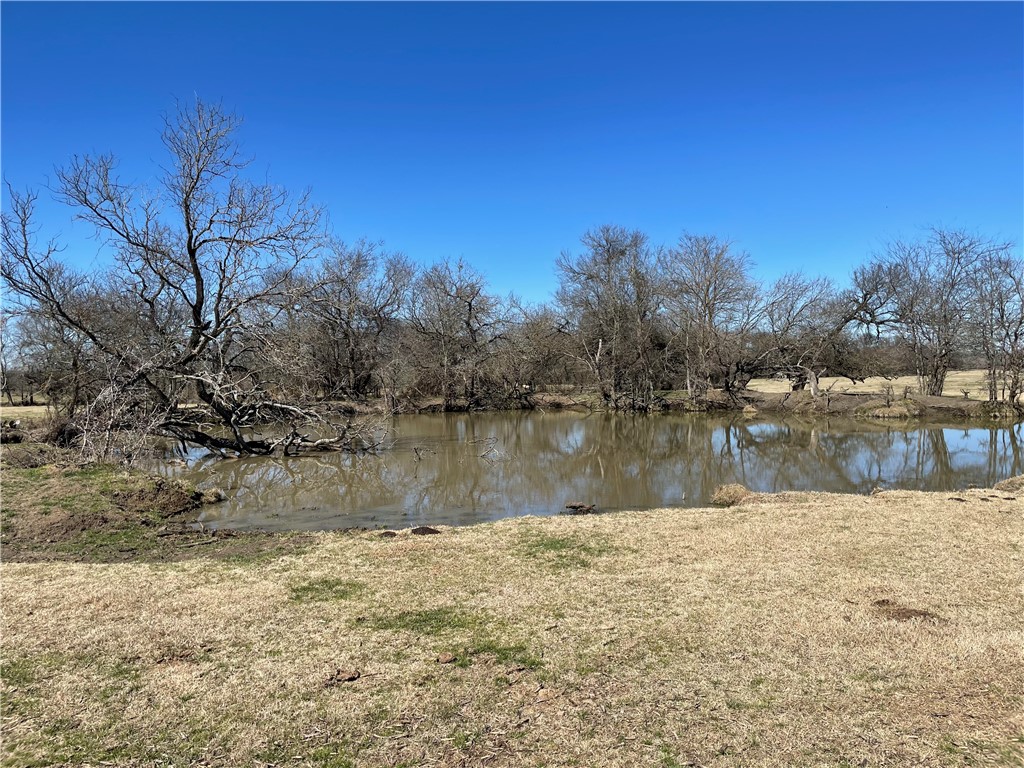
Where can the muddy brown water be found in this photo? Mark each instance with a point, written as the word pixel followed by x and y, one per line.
pixel 458 469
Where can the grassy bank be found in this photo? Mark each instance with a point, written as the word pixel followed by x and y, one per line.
pixel 800 629
pixel 100 513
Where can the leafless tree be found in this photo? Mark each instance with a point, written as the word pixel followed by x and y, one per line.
pixel 536 349
pixel 611 299
pixel 7 352
pixel 456 326
pixel 195 259
pixel 354 297
pixel 806 327
pixel 996 320
pixel 715 308
pixel 922 291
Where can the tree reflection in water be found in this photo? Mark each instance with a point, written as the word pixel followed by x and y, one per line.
pixel 464 468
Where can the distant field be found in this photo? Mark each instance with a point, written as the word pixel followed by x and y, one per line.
pixel 25 412
pixel 956 382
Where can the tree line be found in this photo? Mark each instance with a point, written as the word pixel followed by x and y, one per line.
pixel 230 305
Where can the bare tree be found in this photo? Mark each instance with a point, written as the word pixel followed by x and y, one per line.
pixel 354 297
pixel 611 297
pixel 922 291
pixel 805 328
pixel 996 318
pixel 456 325
pixel 7 351
pixel 534 352
pixel 715 307
pixel 197 261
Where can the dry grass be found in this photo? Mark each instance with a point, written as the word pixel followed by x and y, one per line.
pixel 957 381
pixel 1011 484
pixel 801 629
pixel 729 495
pixel 24 413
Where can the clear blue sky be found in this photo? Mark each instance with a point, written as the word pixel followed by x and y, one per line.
pixel 808 133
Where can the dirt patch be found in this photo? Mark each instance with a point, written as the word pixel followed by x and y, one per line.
pixel 801 402
pixel 424 530
pixel 10 435
pixel 161 498
pixel 953 407
pixel 563 402
pixel 242 547
pixel 55 528
pixel 899 411
pixel 869 405
pixel 891 609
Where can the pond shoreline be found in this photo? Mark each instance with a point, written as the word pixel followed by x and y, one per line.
pixel 102 513
pixel 867 406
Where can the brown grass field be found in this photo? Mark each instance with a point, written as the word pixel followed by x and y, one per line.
pixel 957 381
pixel 790 630
pixel 23 412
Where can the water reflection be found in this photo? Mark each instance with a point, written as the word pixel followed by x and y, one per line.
pixel 465 468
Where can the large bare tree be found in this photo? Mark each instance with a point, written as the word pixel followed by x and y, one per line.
pixel 611 299
pixel 198 260
pixel 456 325
pixel 714 308
pixel 925 291
pixel 996 321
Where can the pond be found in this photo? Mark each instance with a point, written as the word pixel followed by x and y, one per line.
pixel 457 469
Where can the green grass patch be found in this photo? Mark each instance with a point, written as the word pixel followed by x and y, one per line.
pixel 123 679
pixel 971 751
pixel 739 705
pixel 24 671
pixel 432 621
pixel 329 756
pixel 94 472
pixel 564 552
pixel 326 590
pixel 515 654
pixel 104 545
pixel 462 740
pixel 17 673
pixel 82 502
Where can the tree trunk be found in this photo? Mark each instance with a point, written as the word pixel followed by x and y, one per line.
pixel 812 381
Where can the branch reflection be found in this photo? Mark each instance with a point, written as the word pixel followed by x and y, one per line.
pixel 464 468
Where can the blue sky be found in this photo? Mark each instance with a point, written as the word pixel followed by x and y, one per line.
pixel 808 133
